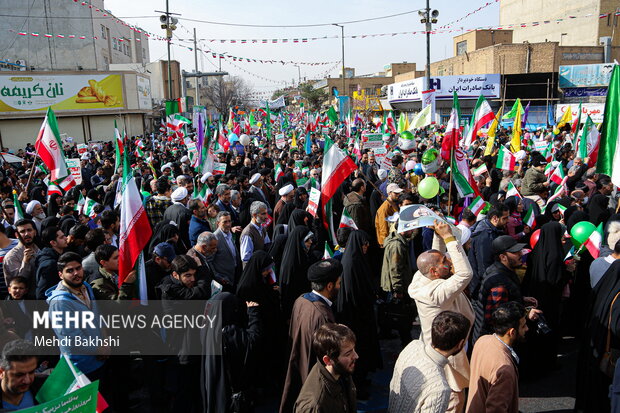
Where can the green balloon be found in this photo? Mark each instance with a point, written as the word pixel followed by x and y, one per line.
pixel 428 187
pixel 581 231
pixel 406 135
pixel 429 156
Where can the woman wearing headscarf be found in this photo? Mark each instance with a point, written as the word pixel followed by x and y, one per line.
pixel 301 198
pixel 355 306
pixel 515 226
pixel 295 263
pixel 603 319
pixel 229 352
pixel 299 217
pixel 258 284
pixel 54 205
pixel 165 232
pixel 545 279
pixel 598 208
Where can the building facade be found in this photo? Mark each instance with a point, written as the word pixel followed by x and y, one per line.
pixel 66 35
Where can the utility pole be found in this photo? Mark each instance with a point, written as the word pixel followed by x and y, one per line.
pixel 429 17
pixel 298 74
pixel 169 24
pixel 196 69
pixel 343 92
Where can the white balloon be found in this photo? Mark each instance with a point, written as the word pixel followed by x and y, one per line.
pixel 244 140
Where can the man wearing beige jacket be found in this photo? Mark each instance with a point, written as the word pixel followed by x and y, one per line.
pixel 438 286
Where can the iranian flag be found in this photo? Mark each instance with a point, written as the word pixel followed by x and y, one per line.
pixel 64 379
pixel 460 172
pixel 135 230
pixel 482 115
pixel 505 160
pixel 346 221
pixel 530 219
pixel 511 190
pixel 52 189
pixel 453 131
pixel 577 121
pixel 19 212
pixel 49 147
pixel 277 172
pixel 594 241
pixel 88 208
pixel 589 142
pixel 548 170
pixel 118 148
pixel 337 166
pixel 390 122
pixel 328 253
pixel 477 205
pixel 558 175
pixel 175 122
pixel 608 161
pixel 480 170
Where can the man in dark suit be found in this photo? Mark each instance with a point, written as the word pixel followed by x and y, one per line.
pixel 227 261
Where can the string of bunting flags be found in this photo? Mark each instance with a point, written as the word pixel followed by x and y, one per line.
pixel 297 40
pixel 469 14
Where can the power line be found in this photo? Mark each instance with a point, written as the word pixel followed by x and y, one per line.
pixel 79 17
pixel 300 25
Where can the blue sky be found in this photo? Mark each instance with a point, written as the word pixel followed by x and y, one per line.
pixel 367 55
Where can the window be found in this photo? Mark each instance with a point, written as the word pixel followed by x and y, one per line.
pixel 461 48
pixel 103 33
pixel 106 62
pixel 114 43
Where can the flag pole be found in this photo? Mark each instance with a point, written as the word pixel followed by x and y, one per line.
pixel 450 187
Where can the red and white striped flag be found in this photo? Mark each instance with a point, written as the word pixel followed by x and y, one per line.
pixel 594 241
pixel 135 230
pixel 49 147
pixel 530 219
pixel 558 175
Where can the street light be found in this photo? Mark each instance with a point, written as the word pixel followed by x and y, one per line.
pixel 428 17
pixel 343 93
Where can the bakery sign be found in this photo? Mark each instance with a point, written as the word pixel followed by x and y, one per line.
pixel 60 92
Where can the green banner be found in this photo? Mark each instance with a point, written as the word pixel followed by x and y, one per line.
pixel 82 400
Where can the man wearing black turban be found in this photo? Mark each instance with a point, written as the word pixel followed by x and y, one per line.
pixel 310 311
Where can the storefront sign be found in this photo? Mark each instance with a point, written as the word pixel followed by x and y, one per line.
pixel 585 75
pixel 595 110
pixel 466 87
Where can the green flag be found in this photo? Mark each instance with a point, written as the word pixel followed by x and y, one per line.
pixel 19 212
pixel 609 152
pixel 332 115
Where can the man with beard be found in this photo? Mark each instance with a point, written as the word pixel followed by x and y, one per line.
pixel 254 236
pixel 286 197
pixel 482 235
pixel 55 242
pixel 197 224
pixel 19 262
pixel 19 384
pixel 329 386
pixel 494 379
pixel 224 203
pixel 34 209
pixel 204 253
pixel 73 295
pixel 501 284
pixel 310 311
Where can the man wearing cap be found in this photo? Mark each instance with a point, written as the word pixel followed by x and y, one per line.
pixel 310 312
pixel 158 267
pixel 535 182
pixel 387 209
pixel 180 214
pixel 287 193
pixel 438 286
pixel 256 190
pixel 501 284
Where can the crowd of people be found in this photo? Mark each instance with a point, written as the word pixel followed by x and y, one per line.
pixel 491 301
